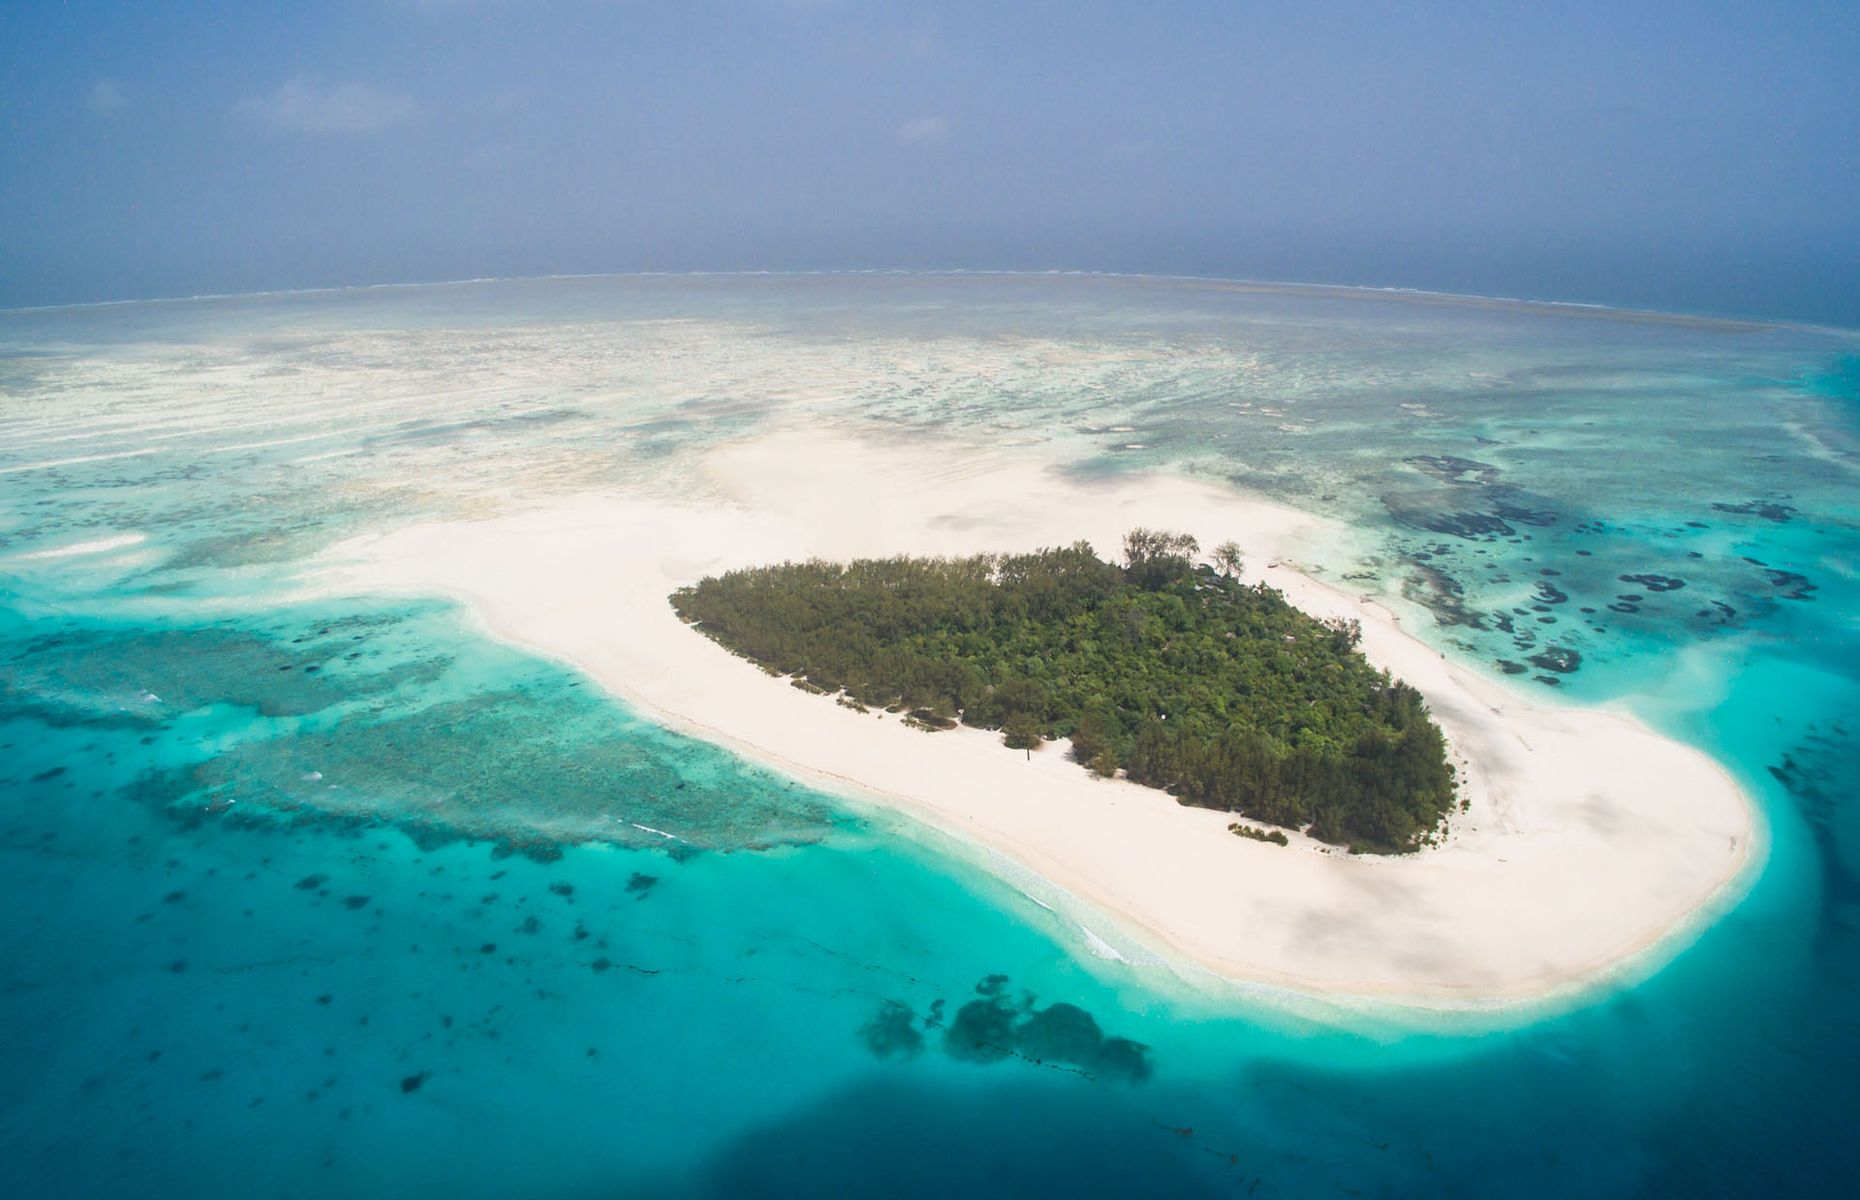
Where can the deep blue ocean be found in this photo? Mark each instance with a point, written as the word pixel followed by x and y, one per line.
pixel 328 897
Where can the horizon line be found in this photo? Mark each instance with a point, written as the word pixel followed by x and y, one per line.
pixel 1593 309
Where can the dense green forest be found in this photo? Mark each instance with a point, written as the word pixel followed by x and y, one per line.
pixel 1179 675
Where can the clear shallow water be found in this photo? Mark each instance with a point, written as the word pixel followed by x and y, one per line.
pixel 343 898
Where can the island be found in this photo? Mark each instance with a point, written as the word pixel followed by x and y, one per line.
pixel 1178 674
pixel 1584 845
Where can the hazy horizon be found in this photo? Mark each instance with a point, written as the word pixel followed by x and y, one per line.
pixel 1694 159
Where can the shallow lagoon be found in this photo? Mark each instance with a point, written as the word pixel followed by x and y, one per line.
pixel 346 905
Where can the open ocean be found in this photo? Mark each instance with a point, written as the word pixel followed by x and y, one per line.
pixel 326 898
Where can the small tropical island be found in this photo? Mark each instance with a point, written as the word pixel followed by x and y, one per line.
pixel 1174 673
pixel 1582 842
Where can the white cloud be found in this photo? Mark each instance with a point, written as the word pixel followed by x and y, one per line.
pixel 923 130
pixel 105 97
pixel 306 105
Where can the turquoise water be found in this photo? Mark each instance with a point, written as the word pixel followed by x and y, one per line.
pixel 339 897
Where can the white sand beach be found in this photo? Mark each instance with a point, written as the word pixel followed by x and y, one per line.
pixel 1591 844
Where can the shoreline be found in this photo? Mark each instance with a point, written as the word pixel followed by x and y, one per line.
pixel 1591 846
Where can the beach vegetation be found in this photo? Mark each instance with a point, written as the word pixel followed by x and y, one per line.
pixel 1021 730
pixel 1174 673
pixel 1275 836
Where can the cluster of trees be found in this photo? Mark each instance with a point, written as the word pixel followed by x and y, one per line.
pixel 1275 836
pixel 1179 675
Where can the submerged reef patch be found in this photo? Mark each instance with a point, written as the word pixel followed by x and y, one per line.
pixel 1789 585
pixel 1654 583
pixel 1560 659
pixel 390 727
pixel 1821 773
pixel 1450 469
pixel 1470 501
pixel 1441 594
pixel 893 1031
pixel 996 1025
pixel 1769 510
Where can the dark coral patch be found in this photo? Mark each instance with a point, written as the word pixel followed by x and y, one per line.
pixel 1560 659
pixel 982 1032
pixel 1060 1033
pixel 1527 516
pixel 893 1031
pixel 1450 469
pixel 995 1026
pixel 1768 510
pixel 1790 585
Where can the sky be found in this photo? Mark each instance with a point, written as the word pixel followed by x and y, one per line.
pixel 1696 157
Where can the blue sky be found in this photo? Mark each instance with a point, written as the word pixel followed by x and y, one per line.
pixel 1687 156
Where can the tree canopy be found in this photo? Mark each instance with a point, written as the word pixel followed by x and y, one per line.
pixel 1179 675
